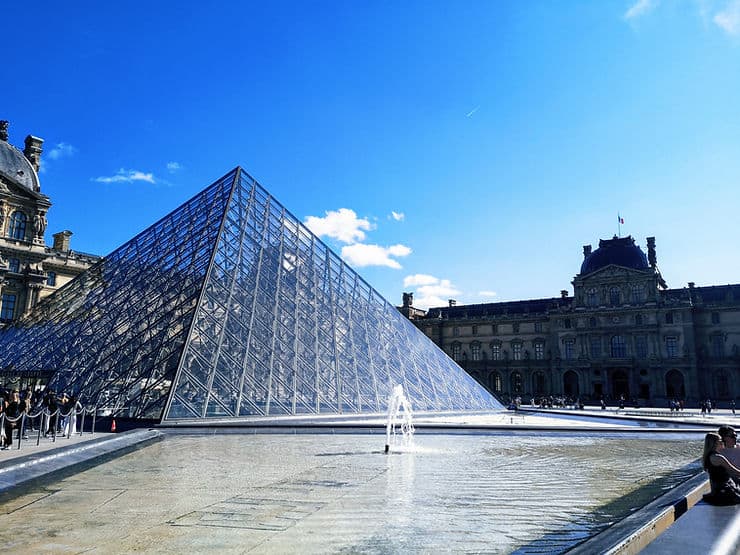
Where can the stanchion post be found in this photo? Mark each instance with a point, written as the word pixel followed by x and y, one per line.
pixel 82 423
pixel 21 428
pixel 95 415
pixel 41 425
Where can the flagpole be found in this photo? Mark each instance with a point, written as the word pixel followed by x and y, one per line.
pixel 619 225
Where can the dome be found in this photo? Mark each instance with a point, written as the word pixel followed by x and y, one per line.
pixel 15 165
pixel 620 251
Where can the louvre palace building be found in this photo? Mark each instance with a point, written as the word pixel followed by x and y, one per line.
pixel 29 268
pixel 623 333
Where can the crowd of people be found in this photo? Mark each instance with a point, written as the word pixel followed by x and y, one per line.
pixel 720 462
pixel 44 410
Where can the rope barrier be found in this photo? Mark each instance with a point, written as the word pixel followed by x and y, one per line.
pixel 49 424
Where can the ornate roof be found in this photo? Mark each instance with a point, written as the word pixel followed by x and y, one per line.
pixel 619 251
pixel 14 165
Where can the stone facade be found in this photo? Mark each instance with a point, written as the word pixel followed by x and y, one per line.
pixel 623 333
pixel 29 269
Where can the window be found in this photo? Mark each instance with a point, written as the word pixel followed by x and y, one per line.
pixel 715 317
pixel 538 327
pixel 566 323
pixel 539 351
pixel 638 319
pixel 638 294
pixel 7 311
pixel 592 323
pixel 614 296
pixel 516 382
pixel 592 297
pixel 669 317
pixel 17 227
pixel 456 352
pixel 595 344
pixel 538 382
pixel 475 351
pixel 671 347
pixel 497 383
pixel 456 331
pixel 618 347
pixel 475 331
pixel 496 351
pixel 494 329
pixel 516 349
pixel 51 278
pixel 570 348
pixel 718 346
pixel 515 327
pixel 641 346
pixel 14 265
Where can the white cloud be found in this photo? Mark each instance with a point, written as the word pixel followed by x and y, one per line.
pixel 126 176
pixel 487 293
pixel 430 291
pixel 360 255
pixel 342 224
pixel 61 150
pixel 640 8
pixel 419 279
pixel 729 18
pixel 173 167
pixel 398 216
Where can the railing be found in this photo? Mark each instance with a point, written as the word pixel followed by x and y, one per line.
pixel 49 423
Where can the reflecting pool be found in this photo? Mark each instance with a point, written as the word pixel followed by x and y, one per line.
pixel 340 494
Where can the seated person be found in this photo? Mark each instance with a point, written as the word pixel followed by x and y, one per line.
pixel 724 490
pixel 729 439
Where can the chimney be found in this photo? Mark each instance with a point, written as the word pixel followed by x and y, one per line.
pixel 586 250
pixel 4 130
pixel 61 241
pixel 652 260
pixel 563 293
pixel 692 285
pixel 33 151
pixel 452 302
pixel 408 300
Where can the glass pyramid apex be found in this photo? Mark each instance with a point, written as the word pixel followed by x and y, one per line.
pixel 229 308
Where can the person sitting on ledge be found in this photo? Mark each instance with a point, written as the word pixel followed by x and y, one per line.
pixel 724 490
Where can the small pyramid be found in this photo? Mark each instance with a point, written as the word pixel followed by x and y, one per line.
pixel 228 308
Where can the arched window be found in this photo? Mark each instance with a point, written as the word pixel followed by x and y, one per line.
pixel 51 279
pixel 496 382
pixel 516 383
pixel 618 347
pixel 674 385
pixel 614 296
pixel 17 227
pixel 592 297
pixel 638 294
pixel 456 351
pixel 538 383
pixel 475 350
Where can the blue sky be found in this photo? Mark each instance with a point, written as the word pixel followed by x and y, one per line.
pixel 461 150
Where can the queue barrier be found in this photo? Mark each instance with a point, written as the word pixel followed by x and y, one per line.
pixel 48 421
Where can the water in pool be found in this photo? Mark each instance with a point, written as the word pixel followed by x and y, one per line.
pixel 527 493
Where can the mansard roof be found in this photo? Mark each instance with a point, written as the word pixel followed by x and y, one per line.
pixel 506 308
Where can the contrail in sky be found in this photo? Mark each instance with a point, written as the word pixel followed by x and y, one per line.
pixel 473 111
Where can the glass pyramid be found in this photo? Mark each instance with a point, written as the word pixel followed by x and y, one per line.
pixel 229 307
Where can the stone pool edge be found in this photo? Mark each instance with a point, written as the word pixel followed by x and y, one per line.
pixel 633 533
pixel 56 463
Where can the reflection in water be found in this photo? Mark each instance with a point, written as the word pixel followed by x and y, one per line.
pixel 340 494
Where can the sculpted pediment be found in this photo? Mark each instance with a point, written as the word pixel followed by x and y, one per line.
pixel 612 272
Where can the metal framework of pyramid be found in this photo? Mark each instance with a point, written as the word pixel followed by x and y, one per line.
pixel 226 308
